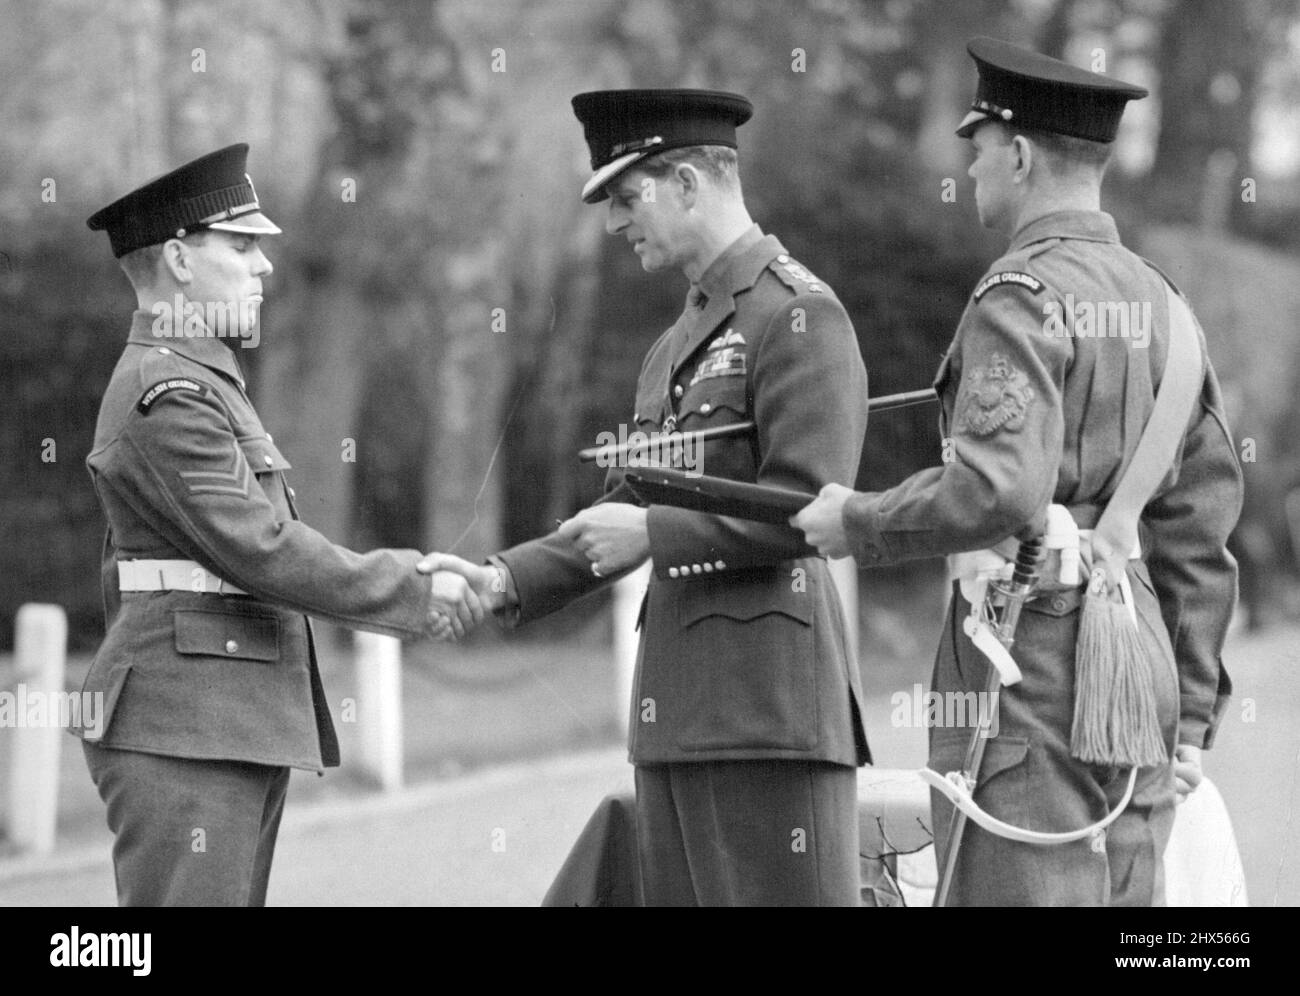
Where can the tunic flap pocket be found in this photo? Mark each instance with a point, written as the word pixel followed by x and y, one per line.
pixel 262 455
pixel 227 634
pixel 1001 754
pixel 716 393
pixel 744 600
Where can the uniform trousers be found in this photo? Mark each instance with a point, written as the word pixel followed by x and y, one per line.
pixel 1029 779
pixel 189 832
pixel 748 833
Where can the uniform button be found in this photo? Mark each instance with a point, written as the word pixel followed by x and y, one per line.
pixel 783 258
pixel 231 646
pixel 268 459
pixel 696 569
pixel 708 568
pixel 1058 603
pixel 705 408
pixel 164 350
pixel 720 565
pixel 685 569
pixel 672 572
pixel 678 391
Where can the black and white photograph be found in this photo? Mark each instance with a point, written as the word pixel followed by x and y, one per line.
pixel 487 453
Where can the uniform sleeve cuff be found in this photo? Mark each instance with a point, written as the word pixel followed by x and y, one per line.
pixel 508 614
pixel 1195 733
pixel 675 545
pixel 861 519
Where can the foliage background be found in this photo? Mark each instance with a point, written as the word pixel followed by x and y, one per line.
pixel 378 324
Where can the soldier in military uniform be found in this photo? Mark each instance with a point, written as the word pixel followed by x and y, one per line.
pixel 1042 407
pixel 746 726
pixel 208 672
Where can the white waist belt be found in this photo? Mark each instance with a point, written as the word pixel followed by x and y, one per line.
pixel 171 575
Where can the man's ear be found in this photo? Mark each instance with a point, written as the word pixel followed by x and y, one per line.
pixel 1024 158
pixel 689 177
pixel 176 260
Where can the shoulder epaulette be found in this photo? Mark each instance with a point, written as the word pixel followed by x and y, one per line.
pixel 795 275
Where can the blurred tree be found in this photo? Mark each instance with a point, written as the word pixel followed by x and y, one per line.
pixel 1209 62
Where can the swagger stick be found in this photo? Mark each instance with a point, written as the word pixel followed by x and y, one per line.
pixel 884 403
pixel 1013 595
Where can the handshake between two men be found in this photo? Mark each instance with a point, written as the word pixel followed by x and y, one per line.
pixel 612 536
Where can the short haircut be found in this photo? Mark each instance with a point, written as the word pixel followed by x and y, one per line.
pixel 718 162
pixel 1064 153
pixel 141 265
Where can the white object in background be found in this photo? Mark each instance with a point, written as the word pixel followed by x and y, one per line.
pixel 626 605
pixel 378 667
pixel 1202 864
pixel 40 650
pixel 845 573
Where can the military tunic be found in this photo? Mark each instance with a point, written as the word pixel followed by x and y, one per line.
pixel 742 654
pixel 184 470
pixel 1045 390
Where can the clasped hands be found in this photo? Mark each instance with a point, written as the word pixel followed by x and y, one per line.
pixel 462 594
pixel 612 536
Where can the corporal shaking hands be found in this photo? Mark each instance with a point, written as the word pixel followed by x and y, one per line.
pixel 463 594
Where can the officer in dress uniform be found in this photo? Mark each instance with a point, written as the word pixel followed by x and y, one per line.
pixel 1043 402
pixel 208 673
pixel 745 721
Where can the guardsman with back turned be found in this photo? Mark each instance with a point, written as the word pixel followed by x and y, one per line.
pixel 1047 390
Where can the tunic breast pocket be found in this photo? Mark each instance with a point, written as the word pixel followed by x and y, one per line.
pixel 262 455
pixel 266 462
pixel 714 401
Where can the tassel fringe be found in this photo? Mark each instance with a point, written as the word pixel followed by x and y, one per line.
pixel 1115 721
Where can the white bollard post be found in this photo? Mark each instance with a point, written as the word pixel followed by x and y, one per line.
pixel 40 649
pixel 628 592
pixel 845 573
pixel 378 670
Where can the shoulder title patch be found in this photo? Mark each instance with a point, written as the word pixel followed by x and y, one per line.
pixel 162 387
pixel 997 397
pixel 1032 284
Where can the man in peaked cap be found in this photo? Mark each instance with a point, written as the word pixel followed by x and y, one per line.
pixel 208 672
pixel 746 722
pixel 1045 392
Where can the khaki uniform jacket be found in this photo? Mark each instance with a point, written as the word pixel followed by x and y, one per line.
pixel 184 470
pixel 742 652
pixel 1045 390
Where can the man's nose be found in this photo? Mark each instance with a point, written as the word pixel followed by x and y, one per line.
pixel 616 220
pixel 261 265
